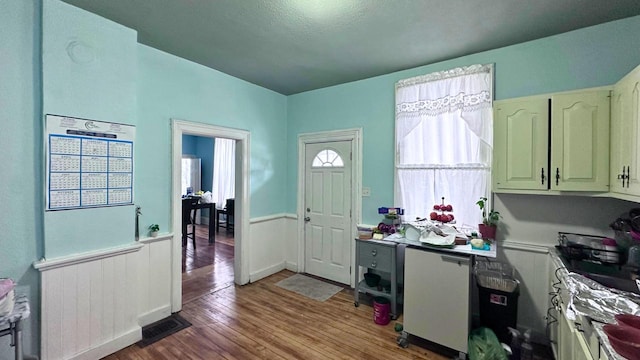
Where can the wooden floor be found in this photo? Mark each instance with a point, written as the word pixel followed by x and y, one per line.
pixel 263 321
pixel 204 253
pixel 209 267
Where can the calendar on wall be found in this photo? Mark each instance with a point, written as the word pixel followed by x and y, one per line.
pixel 88 163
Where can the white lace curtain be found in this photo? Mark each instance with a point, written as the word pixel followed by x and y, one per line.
pixel 224 175
pixel 444 127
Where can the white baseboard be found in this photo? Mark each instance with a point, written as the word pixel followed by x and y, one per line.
pixel 121 342
pixel 261 274
pixel 292 266
pixel 154 315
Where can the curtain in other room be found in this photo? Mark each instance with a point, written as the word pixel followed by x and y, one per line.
pixel 224 175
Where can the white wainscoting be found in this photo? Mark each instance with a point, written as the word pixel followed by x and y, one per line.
pixel 531 262
pixel 268 246
pixel 291 250
pixel 154 279
pixel 89 303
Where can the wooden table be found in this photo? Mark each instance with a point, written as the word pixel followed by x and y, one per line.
pixel 189 204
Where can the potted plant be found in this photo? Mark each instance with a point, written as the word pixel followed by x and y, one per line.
pixel 490 219
pixel 153 230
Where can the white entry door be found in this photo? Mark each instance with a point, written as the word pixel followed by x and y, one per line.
pixel 327 210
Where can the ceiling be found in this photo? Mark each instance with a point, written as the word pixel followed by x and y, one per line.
pixel 291 46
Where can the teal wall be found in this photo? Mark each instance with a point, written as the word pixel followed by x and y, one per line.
pixel 88 71
pixel 21 179
pixel 173 88
pixel 584 58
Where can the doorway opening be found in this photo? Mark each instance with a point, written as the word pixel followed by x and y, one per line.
pixel 241 209
pixel 208 179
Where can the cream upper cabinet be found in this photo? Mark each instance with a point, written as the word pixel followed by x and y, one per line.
pixel 580 141
pixel 554 142
pixel 521 143
pixel 625 134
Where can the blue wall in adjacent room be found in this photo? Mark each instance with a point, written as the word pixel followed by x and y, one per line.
pixel 203 148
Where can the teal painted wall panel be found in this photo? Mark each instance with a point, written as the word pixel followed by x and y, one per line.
pixel 89 67
pixel 173 88
pixel 21 192
pixel 590 57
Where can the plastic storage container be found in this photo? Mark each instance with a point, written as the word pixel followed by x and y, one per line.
pixel 498 293
pixel 381 310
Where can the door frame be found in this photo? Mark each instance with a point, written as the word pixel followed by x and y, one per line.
pixel 241 229
pixel 355 136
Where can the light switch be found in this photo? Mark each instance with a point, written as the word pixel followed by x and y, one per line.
pixel 366 191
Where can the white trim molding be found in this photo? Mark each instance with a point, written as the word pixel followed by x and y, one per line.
pixel 243 170
pixel 355 137
pixel 162 237
pixel 523 246
pixel 268 218
pixel 44 264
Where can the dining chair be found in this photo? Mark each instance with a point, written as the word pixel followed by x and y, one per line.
pixel 228 212
pixel 189 211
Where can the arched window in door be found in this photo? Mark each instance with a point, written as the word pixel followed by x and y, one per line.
pixel 327 158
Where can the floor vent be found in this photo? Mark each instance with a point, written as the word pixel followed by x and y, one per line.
pixel 162 328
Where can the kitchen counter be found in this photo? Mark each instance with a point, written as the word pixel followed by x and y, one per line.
pixel 458 249
pixel 597 326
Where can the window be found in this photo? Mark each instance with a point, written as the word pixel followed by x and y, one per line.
pixel 444 126
pixel 327 158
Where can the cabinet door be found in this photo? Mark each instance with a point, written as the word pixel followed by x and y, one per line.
pixel 620 137
pixel 432 311
pixel 625 134
pixel 521 143
pixel 633 111
pixel 581 351
pixel 580 141
pixel 565 337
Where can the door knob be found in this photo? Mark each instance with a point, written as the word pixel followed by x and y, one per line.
pixel 307 219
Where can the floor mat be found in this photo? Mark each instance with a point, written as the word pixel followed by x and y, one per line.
pixel 162 328
pixel 309 287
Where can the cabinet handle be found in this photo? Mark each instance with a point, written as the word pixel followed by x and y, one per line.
pixel 557 176
pixel 542 175
pixel 374 252
pixel 628 176
pixel 622 176
pixel 374 264
pixel 458 259
pixel 579 327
